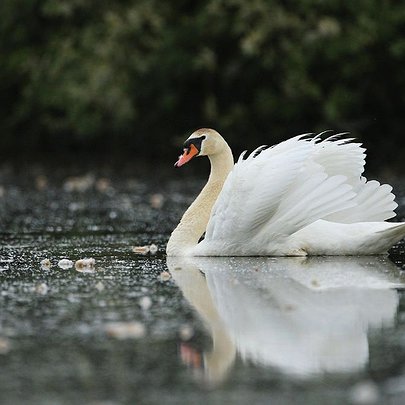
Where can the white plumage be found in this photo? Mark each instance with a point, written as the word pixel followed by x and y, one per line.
pixel 303 196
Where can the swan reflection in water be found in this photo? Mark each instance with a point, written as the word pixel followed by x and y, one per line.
pixel 301 316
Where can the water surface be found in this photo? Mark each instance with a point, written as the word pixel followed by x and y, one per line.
pixel 230 330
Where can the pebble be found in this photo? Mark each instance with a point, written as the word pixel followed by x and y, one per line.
pixel 153 248
pixel 41 289
pixel 103 185
pixel 143 250
pixel 85 265
pixel 186 332
pixel 4 345
pixel 79 183
pixel 99 286
pixel 65 264
pixel 156 201
pixel 46 264
pixel 125 330
pixel 165 275
pixel 145 302
pixel 41 182
pixel 364 393
pixel 112 215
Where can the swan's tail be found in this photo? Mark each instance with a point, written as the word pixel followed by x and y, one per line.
pixel 392 235
pixel 362 238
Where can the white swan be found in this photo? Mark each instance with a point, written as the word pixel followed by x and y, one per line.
pixel 304 196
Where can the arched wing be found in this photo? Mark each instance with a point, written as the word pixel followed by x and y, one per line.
pixel 277 192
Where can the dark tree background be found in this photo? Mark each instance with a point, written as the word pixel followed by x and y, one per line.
pixel 136 76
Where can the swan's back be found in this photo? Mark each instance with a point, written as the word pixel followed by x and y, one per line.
pixel 276 192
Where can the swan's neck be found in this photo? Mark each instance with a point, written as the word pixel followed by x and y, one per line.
pixel 195 219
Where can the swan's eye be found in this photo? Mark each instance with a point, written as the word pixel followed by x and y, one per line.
pixel 194 141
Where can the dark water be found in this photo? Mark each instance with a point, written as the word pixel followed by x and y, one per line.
pixel 237 331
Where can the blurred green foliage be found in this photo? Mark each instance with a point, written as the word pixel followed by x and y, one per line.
pixel 138 75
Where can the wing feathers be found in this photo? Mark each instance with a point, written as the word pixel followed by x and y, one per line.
pixel 274 192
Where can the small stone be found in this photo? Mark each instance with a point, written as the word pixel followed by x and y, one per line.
pixel 99 286
pixel 145 302
pixel 5 345
pixel 186 332
pixel 76 206
pixel 156 201
pixel 46 264
pixel 65 264
pixel 41 182
pixel 165 275
pixel 112 215
pixel 143 250
pixel 153 249
pixel 79 183
pixel 85 265
pixel 41 289
pixel 125 330
pixel 364 393
pixel 315 283
pixel 103 185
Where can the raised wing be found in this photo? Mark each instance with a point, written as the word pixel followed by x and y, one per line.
pixel 373 202
pixel 275 192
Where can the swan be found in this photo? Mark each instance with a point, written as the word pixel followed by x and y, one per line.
pixel 304 196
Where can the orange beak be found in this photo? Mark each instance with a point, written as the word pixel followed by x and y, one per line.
pixel 187 156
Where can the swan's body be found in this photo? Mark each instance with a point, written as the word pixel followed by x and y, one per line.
pixel 304 196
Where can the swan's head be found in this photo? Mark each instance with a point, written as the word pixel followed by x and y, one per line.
pixel 203 142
